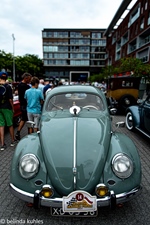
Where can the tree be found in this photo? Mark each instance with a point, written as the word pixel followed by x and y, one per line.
pixel 6 61
pixel 126 65
pixel 135 65
pixel 27 63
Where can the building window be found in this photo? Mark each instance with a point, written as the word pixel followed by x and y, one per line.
pixel 78 34
pixel 134 16
pixel 124 39
pixel 79 62
pixel 118 45
pixel 44 34
pixel 99 42
pixel 85 56
pixel 50 48
pixel 132 46
pixel 114 39
pixel 143 55
pixel 148 21
pixel 62 48
pixel 96 35
pixel 146 4
pixel 144 38
pixel 45 62
pixel 50 34
pixel 79 41
pixel 142 24
pixel 97 63
pixel 79 56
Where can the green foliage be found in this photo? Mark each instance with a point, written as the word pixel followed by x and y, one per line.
pixel 6 60
pixel 133 64
pixel 34 65
pixel 126 65
pixel 96 77
pixel 27 63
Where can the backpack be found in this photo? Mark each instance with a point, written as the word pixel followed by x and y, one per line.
pixel 3 89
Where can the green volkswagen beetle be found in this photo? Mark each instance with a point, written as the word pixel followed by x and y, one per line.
pixel 76 162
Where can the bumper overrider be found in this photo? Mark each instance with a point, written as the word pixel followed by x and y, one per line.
pixel 38 200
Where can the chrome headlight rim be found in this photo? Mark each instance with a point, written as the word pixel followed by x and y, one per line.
pixel 28 166
pixel 122 160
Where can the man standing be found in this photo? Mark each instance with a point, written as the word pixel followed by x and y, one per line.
pixel 48 85
pixel 22 87
pixel 35 99
pixel 6 110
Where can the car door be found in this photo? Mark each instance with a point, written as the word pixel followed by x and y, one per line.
pixel 146 114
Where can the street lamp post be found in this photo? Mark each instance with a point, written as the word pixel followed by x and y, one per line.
pixel 13 57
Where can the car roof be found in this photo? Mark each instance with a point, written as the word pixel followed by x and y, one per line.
pixel 74 88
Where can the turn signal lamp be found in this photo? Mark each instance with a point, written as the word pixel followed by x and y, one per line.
pixel 47 191
pixel 101 190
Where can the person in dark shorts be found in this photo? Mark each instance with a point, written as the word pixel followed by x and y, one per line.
pixel 22 87
pixel 6 110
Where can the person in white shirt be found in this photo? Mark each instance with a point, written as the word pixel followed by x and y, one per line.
pixel 41 85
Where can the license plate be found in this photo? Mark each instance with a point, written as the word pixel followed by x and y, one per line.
pixel 79 201
pixel 55 211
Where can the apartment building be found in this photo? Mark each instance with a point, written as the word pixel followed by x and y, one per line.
pixel 73 53
pixel 128 34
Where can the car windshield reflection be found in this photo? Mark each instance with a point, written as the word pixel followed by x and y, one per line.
pixel 67 100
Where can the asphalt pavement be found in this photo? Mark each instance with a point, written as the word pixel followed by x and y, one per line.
pixel 136 212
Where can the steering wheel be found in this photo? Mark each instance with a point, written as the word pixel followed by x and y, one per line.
pixel 90 106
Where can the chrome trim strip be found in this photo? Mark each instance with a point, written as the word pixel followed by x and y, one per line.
pixel 57 202
pixel 25 196
pixel 147 135
pixel 75 153
pixel 74 144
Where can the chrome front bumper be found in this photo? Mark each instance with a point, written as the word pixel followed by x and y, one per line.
pixel 57 202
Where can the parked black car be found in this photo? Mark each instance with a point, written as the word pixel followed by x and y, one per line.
pixel 138 117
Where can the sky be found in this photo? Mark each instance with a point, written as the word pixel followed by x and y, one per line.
pixel 26 19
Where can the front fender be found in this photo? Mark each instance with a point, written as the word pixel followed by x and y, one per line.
pixel 135 114
pixel 28 144
pixel 120 143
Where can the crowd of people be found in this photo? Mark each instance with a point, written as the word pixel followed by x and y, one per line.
pixel 31 93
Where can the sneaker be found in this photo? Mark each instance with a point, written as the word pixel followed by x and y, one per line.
pixel 3 147
pixel 17 136
pixel 13 143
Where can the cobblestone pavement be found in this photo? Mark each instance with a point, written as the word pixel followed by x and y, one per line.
pixel 136 212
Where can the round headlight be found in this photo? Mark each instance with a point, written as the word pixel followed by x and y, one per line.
pixel 122 166
pixel 28 166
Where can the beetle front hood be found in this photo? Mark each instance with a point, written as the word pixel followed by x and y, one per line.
pixel 75 151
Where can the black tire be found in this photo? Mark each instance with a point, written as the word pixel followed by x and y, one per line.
pixel 129 121
pixel 126 101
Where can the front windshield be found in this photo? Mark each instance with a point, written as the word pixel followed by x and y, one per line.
pixel 67 100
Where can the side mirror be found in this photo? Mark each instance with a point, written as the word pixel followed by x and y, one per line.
pixel 120 124
pixel 113 111
pixel 30 124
